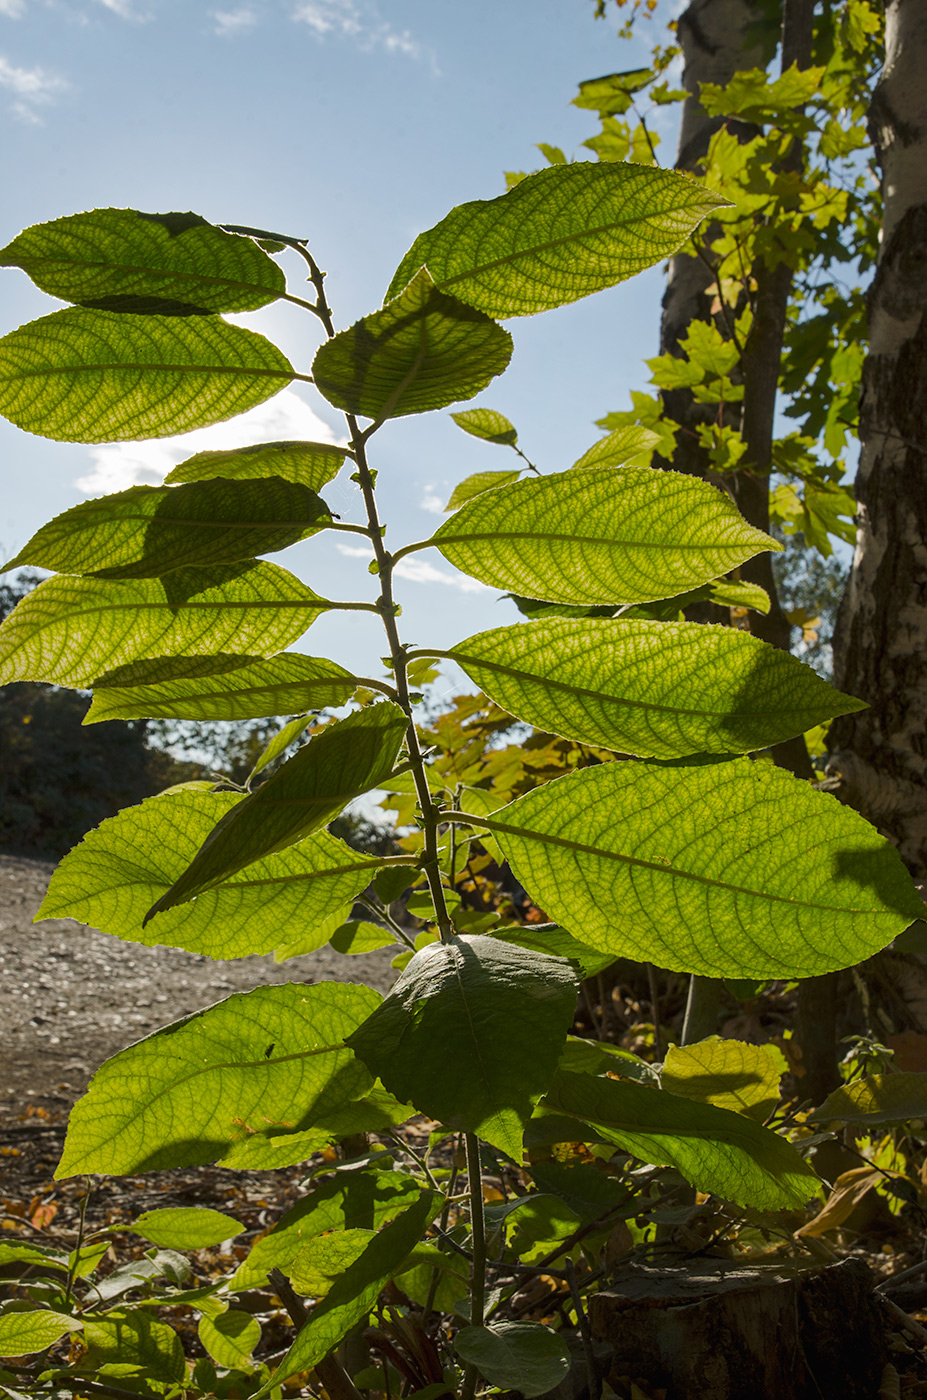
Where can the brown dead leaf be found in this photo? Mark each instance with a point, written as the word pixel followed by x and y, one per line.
pixel 847 1192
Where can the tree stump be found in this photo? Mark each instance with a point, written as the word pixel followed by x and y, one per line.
pixel 713 1329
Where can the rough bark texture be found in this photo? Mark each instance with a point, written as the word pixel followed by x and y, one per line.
pixel 879 757
pixel 713 1330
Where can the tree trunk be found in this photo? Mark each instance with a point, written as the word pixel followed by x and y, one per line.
pixel 879 758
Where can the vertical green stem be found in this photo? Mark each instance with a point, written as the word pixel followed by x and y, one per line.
pixel 386 607
pixel 478 1250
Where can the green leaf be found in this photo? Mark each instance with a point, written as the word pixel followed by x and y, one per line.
pixel 470 1035
pixel 735 594
pixel 121 260
pixel 259 1064
pixel 96 376
pixel 731 869
pixel 476 484
pixel 219 687
pixel 877 1099
pixel 280 743
pixel 23 1333
pixel 547 938
pixel 230 1337
pixel 728 1073
pixel 611 96
pixel 558 235
pixel 72 630
pixel 147 531
pixel 132 1338
pixel 717 1151
pixel 619 447
pixel 600 536
pixel 343 761
pixel 658 690
pixel 356 937
pixel 316 1267
pixel 355 1292
pixel 362 1200
pixel 589 1192
pixel 375 1112
pixel 488 425
pixel 309 464
pixel 186 1227
pixel 521 1356
pixel 423 351
pixel 111 879
pixel 11 1253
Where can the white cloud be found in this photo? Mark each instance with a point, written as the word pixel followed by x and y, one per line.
pixel 229 22
pixel 358 20
pixel 117 466
pixel 125 9
pixel 32 88
pixel 13 9
pixel 432 502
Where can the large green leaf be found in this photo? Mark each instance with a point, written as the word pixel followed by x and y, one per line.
pixel 186 1227
pixel 658 690
pixel 133 1337
pixel 111 879
pixel 362 1200
pixel 71 630
pixel 731 869
pixel 97 376
pixel 422 351
pixel 600 536
pixel 717 1151
pixel 219 687
pixel 345 760
pixel 520 1356
pixel 559 235
pixel 728 1073
pixel 470 1034
pixel 375 1112
pixel 356 1291
pixel 877 1099
pixel 147 531
pixel 121 260
pixel 547 938
pixel 476 484
pixel 309 464
pixel 259 1064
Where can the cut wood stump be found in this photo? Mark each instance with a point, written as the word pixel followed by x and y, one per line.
pixel 713 1329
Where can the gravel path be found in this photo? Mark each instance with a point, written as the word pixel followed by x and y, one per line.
pixel 71 996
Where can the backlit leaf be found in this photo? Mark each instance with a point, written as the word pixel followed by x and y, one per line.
pixel 121 260
pixel 309 464
pixel 111 879
pixel 618 447
pixel 97 376
pixel 219 687
pixel 363 1200
pixel 717 1151
pixel 340 763
pixel 487 424
pixel 658 690
pixel 728 1073
pixel 133 1337
pixel 470 1034
pixel 423 351
pixel 600 536
pixel 71 630
pixel 23 1333
pixel 186 1227
pixel 230 1337
pixel 547 938
pixel 558 235
pixel 259 1064
pixel 730 869
pixel 476 484
pixel 147 531
pixel 877 1099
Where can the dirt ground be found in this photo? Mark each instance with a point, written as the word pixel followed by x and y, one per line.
pixel 71 996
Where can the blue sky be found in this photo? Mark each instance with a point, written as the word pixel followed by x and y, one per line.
pixel 356 123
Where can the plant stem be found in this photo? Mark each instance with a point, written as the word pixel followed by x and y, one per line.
pixel 592 1376
pixel 329 1370
pixel 386 607
pixel 478 1244
pixel 704 1001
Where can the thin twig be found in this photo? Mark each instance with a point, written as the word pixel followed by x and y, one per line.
pixel 592 1375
